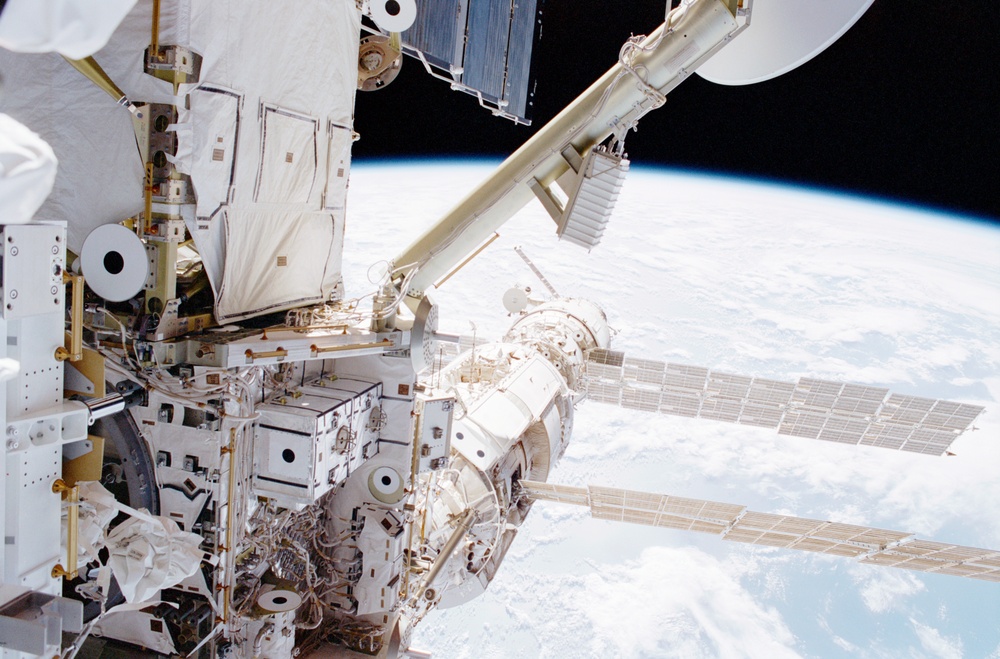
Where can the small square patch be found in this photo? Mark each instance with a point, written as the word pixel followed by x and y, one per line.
pixel 282 261
pixel 289 157
pixel 218 155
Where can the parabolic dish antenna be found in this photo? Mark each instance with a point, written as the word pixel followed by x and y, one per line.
pixel 782 35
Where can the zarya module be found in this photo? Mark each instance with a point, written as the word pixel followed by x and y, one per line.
pixel 210 451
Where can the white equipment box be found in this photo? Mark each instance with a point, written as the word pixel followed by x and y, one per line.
pixel 309 440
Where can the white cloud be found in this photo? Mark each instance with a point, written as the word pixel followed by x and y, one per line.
pixel 666 603
pixel 884 590
pixel 838 640
pixel 839 290
pixel 935 644
pixel 691 591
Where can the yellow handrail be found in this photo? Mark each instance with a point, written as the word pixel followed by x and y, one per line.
pixel 75 351
pixel 72 496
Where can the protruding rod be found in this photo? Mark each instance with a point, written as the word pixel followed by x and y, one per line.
pixel 534 269
pixel 464 524
pixel 105 406
pixel 89 67
pixel 154 41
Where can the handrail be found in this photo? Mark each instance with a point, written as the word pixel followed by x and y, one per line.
pixel 72 496
pixel 75 351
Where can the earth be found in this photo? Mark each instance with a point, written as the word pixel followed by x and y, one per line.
pixel 754 278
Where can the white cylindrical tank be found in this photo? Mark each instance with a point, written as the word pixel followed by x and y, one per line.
pixel 514 419
pixel 562 331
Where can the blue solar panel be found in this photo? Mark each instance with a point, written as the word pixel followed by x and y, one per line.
pixel 489 41
pixel 522 37
pixel 439 31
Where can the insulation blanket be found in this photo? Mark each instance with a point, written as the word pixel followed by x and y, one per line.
pixel 287 246
pixel 75 28
pixel 146 553
pixel 265 136
pixel 27 171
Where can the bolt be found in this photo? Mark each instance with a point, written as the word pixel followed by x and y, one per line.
pixel 53 290
pixel 13 251
pixel 12 444
pixel 55 249
pixel 12 431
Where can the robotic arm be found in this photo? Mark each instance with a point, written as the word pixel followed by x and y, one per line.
pixel 647 70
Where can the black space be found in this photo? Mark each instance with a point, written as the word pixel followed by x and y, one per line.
pixel 902 107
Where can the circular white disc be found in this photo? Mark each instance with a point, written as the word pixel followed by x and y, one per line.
pixel 393 15
pixel 782 35
pixel 277 601
pixel 114 262
pixel 515 300
pixel 386 485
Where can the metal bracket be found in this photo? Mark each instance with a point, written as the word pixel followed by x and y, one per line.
pixel 175 64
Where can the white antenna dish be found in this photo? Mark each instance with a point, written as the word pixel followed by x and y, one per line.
pixel 515 300
pixel 782 35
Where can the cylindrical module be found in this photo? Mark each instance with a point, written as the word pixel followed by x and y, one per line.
pixel 516 416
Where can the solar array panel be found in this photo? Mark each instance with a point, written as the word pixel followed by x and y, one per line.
pixel 812 408
pixel 942 558
pixel 736 523
pixel 484 46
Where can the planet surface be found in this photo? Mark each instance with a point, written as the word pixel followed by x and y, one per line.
pixel 749 278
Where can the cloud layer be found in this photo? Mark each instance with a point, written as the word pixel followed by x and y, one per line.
pixel 751 279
